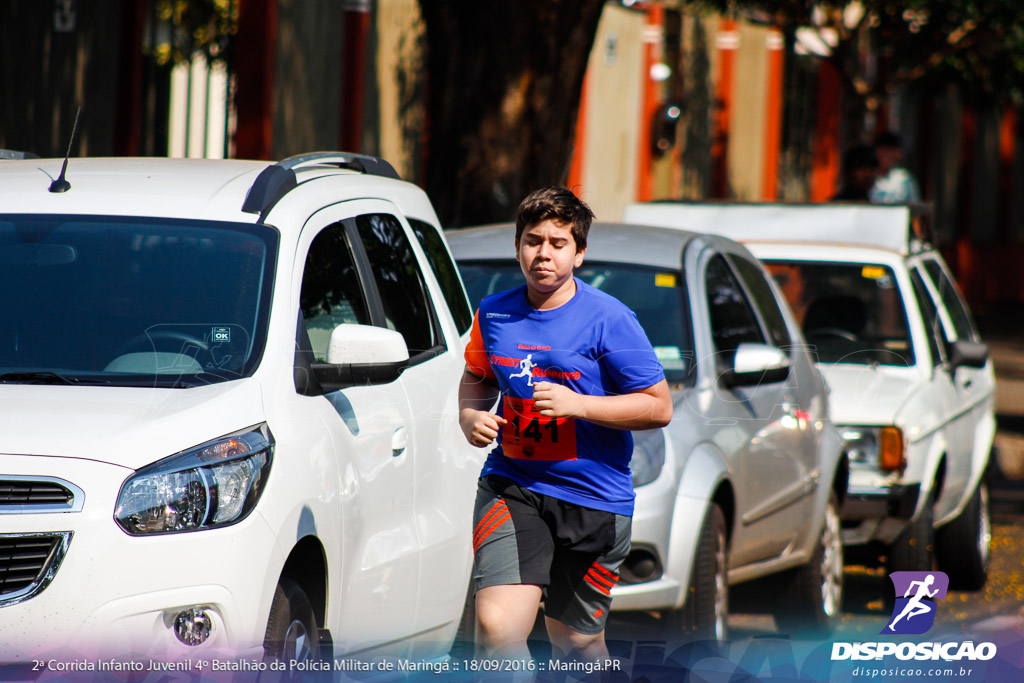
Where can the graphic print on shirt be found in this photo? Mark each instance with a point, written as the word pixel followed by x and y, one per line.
pixel 526 369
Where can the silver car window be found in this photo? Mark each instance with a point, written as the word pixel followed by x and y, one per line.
pixel 733 321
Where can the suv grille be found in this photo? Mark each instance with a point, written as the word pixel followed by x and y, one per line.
pixel 26 492
pixel 28 562
pixel 35 494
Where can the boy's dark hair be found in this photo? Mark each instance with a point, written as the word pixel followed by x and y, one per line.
pixel 557 204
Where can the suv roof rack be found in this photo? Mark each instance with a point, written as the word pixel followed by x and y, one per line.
pixel 274 182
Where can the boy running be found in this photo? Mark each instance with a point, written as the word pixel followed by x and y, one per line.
pixel 555 497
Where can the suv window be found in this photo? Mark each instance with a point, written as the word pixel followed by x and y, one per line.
pixel 331 294
pixel 445 272
pixel 133 301
pixel 403 293
pixel 951 300
pixel 762 292
pixel 732 319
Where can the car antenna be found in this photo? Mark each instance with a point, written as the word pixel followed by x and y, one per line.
pixel 61 185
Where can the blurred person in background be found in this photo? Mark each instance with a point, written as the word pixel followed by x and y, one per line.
pixel 895 184
pixel 860 170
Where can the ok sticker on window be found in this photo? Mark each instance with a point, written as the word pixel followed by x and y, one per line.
pixel 528 435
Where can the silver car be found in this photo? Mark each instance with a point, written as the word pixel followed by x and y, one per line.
pixel 747 480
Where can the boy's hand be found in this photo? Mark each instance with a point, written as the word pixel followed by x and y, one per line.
pixel 556 400
pixel 479 426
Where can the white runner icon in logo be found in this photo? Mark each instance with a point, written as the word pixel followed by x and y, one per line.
pixel 914 606
pixel 526 369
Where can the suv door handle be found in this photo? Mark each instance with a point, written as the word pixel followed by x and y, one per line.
pixel 399 441
pixel 966 384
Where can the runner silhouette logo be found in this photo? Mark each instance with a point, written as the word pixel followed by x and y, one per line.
pixel 916 593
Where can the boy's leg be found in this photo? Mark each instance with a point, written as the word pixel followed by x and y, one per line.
pixel 512 556
pixel 579 596
pixel 504 618
pixel 586 646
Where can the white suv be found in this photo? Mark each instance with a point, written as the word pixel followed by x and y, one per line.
pixel 226 411
pixel 912 387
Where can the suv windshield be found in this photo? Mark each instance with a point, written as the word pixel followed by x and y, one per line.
pixel 132 301
pixel 849 312
pixel 657 297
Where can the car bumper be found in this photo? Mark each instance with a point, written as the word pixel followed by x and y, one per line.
pixel 899 501
pixel 878 514
pixel 116 595
pixel 647 582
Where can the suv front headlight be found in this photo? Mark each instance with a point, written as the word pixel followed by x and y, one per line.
pixel 874 447
pixel 214 484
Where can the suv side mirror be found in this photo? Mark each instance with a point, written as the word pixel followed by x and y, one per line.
pixel 968 354
pixel 360 355
pixel 756 364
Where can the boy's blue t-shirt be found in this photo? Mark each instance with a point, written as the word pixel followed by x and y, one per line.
pixel 592 344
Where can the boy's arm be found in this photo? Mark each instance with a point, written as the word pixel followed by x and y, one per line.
pixel 648 408
pixel 477 397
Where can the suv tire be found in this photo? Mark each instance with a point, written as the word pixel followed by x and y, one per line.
pixel 962 546
pixel 292 632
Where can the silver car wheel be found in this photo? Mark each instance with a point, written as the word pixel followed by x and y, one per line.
pixel 297 644
pixel 831 562
pixel 721 589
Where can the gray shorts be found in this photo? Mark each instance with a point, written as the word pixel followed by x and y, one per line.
pixel 573 553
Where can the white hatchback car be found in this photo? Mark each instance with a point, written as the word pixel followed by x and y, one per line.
pixel 226 412
pixel 912 385
pixel 747 480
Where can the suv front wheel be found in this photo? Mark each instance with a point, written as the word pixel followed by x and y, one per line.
pixel 292 633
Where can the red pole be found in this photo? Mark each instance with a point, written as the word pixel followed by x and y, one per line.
pixel 773 117
pixel 254 69
pixel 353 72
pixel 580 147
pixel 825 147
pixel 728 41
pixel 127 114
pixel 652 54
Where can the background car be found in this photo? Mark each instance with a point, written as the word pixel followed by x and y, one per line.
pixel 747 480
pixel 913 389
pixel 216 435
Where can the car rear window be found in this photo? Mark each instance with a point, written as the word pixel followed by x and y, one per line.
pixel 849 312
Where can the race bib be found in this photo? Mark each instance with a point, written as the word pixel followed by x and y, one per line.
pixel 528 435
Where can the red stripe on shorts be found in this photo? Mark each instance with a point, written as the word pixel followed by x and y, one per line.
pixel 497 516
pixel 604 589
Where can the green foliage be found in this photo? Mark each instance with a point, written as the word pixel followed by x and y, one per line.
pixel 195 27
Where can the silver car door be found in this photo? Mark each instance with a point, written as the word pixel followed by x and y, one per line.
pixel 764 471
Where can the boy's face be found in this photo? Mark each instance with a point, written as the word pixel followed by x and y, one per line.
pixel 547 255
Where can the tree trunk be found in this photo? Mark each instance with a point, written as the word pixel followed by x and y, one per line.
pixel 503 87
